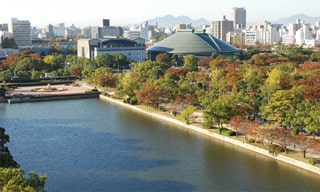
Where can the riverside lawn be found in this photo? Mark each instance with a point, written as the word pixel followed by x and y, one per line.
pixel 292 158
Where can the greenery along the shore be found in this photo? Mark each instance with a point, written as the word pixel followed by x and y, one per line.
pixel 12 178
pixel 279 86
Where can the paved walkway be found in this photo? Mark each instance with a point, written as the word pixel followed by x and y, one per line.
pixel 66 89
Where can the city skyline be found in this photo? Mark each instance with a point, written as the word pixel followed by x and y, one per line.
pixel 82 14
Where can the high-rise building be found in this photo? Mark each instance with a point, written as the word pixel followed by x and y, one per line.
pixel 105 22
pixel 49 31
pixel 59 30
pixel 4 27
pixel 106 30
pixel 21 32
pixel 239 17
pixel 221 27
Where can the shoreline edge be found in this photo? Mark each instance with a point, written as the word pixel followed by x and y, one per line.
pixel 206 132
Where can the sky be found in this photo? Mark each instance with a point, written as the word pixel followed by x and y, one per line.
pixel 84 13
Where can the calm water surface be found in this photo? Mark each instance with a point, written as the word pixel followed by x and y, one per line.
pixel 90 145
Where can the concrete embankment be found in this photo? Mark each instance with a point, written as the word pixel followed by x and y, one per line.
pixel 209 133
pixel 25 99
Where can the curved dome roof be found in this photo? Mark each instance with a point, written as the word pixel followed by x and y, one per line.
pixel 191 42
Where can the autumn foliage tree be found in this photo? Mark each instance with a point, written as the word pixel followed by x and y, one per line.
pixel 164 58
pixel 285 138
pixel 76 71
pixel 106 81
pixel 151 96
pixel 304 143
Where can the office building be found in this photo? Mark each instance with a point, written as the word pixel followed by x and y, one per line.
pixel 238 15
pixel 106 31
pixel 21 32
pixel 49 31
pixel 105 22
pixel 4 27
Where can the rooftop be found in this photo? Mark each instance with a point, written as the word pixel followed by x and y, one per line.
pixel 193 42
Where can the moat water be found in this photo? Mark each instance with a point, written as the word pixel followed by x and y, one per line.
pixel 88 145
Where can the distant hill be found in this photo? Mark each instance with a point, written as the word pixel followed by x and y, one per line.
pixel 169 20
pixel 294 18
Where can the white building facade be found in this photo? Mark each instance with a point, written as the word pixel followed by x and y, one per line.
pixel 91 48
pixel 21 32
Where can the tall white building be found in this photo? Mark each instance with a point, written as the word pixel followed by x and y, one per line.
pixel 21 32
pixel 250 37
pixel 303 34
pixel 239 17
pixel 59 30
pixel 270 34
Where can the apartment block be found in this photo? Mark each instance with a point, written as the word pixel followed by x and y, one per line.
pixel 220 28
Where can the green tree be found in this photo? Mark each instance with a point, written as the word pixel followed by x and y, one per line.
pixel 191 62
pixel 315 56
pixel 6 159
pixel 313 120
pixel 218 110
pixel 89 74
pixel 251 80
pixel 6 75
pixel 24 64
pixel 9 43
pixel 54 61
pixel 2 91
pixel 14 179
pixel 150 69
pixel 128 87
pixel 271 84
pixel 74 60
pixel 4 138
pixel 100 72
pixel 120 61
pixel 284 106
pixel 11 177
pixel 185 114
pixel 169 85
pixel 105 60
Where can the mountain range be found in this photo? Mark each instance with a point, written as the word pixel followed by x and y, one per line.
pixel 294 18
pixel 169 20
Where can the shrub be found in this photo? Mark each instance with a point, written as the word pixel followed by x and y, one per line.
pixel 226 132
pixel 313 161
pixel 276 149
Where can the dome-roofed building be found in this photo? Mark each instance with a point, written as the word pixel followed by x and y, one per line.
pixel 192 42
